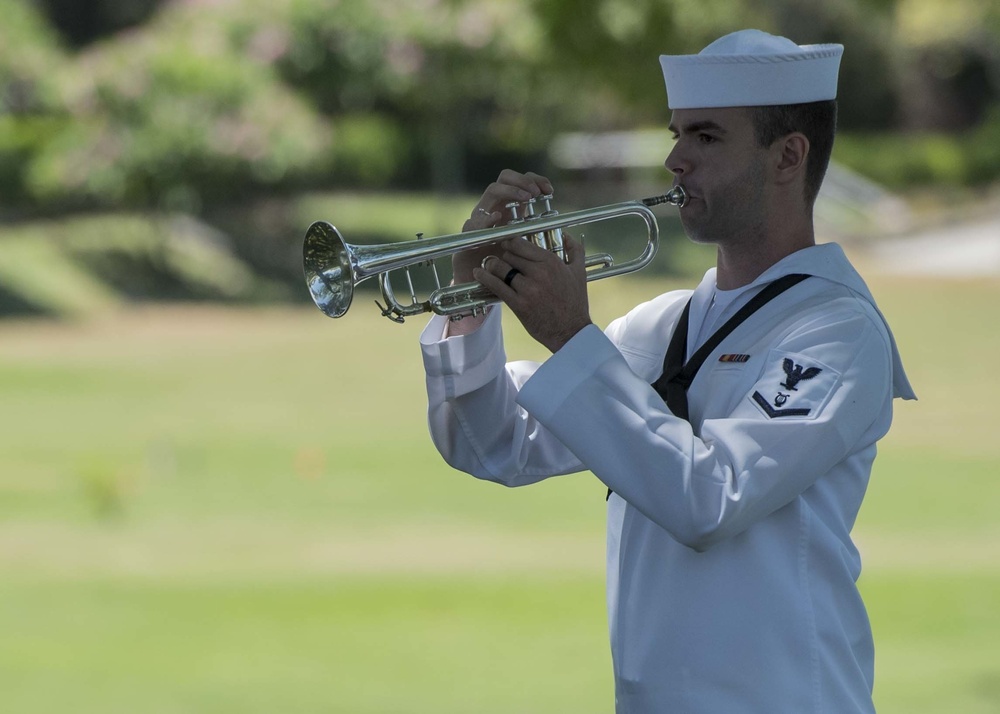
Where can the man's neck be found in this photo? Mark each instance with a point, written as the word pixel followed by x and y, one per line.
pixel 742 262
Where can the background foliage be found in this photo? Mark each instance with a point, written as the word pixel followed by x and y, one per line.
pixel 182 104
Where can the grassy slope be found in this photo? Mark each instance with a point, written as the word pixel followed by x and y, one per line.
pixel 238 510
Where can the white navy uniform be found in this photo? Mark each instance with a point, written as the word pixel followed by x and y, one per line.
pixel 730 568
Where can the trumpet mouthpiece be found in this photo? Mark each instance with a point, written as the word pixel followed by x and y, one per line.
pixel 676 196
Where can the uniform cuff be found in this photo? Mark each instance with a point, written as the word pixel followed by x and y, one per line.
pixel 465 362
pixel 578 360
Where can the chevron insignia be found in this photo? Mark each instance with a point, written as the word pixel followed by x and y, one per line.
pixel 772 412
pixel 793 385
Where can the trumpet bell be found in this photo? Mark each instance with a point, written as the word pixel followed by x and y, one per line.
pixel 327 262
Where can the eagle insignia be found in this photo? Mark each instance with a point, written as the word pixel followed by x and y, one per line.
pixel 794 373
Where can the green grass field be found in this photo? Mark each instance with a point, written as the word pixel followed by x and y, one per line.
pixel 233 510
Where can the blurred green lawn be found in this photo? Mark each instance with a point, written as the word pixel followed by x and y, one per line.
pixel 239 510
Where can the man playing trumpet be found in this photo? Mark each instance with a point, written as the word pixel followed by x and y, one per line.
pixel 734 425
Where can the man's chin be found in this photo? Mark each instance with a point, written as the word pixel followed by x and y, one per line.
pixel 695 231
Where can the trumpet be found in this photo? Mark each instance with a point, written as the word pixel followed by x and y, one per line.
pixel 333 267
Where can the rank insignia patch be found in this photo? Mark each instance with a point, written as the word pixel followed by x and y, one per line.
pixel 793 385
pixel 734 358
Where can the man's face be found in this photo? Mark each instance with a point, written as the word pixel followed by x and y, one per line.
pixel 717 159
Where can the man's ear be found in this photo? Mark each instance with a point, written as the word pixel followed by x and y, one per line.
pixel 791 153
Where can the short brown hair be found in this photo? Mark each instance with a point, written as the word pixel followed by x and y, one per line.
pixel 816 120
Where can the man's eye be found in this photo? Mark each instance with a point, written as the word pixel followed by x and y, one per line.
pixel 706 138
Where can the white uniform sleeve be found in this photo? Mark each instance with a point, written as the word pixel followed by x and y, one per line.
pixel 474 419
pixel 744 466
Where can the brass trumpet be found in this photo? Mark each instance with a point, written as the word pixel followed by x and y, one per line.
pixel 333 267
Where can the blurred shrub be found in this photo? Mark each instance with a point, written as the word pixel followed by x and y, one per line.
pixel 29 59
pixel 171 116
pixel 448 81
pixel 84 265
pixel 212 100
pixel 29 54
pixel 83 21
pixel 902 161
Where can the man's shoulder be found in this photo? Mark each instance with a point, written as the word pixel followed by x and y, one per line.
pixel 829 300
pixel 827 314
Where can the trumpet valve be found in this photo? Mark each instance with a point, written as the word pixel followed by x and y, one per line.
pixel 546 199
pixel 539 239
pixel 551 239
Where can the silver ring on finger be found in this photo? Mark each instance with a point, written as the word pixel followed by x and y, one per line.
pixel 486 261
pixel 485 215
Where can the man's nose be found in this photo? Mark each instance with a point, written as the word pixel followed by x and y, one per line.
pixel 675 163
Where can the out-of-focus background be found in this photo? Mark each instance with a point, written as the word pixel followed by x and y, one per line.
pixel 214 499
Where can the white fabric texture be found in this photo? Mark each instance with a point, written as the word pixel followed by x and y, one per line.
pixel 752 68
pixel 730 567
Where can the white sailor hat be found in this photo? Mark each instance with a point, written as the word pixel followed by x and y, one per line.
pixel 751 68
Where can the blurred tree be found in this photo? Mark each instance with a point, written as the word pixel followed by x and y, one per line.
pixel 949 73
pixel 209 99
pixel 30 57
pixel 459 78
pixel 611 46
pixel 212 96
pixel 169 115
pixel 607 51
pixel 83 21
pixel 867 88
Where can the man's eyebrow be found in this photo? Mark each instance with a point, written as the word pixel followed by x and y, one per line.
pixel 695 127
